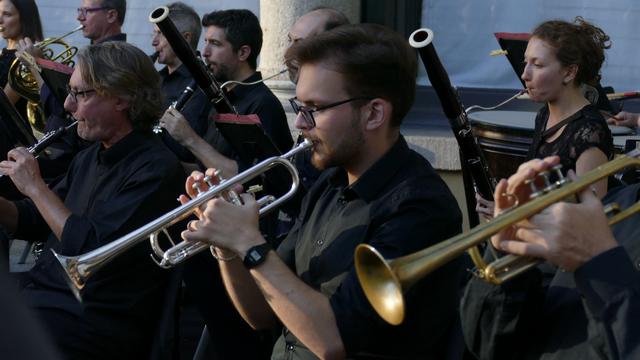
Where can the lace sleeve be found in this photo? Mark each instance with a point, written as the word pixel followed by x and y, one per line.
pixel 592 133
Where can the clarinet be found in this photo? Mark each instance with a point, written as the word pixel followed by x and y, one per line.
pixel 472 157
pixel 180 102
pixel 184 52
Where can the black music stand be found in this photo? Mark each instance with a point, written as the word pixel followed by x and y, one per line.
pixel 515 44
pixel 248 139
pixel 56 76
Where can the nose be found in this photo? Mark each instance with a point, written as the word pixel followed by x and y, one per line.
pixel 70 105
pixel 526 73
pixel 300 122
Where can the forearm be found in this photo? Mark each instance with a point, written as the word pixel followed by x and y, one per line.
pixel 8 215
pixel 304 311
pixel 12 95
pixel 52 209
pixel 244 292
pixel 210 157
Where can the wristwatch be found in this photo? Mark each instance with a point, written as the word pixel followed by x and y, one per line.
pixel 256 255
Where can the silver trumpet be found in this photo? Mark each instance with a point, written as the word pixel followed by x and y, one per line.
pixel 80 268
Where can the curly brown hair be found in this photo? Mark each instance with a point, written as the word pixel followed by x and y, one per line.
pixel 578 42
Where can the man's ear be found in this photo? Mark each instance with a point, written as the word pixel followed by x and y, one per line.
pixel 187 36
pixel 244 52
pixel 121 104
pixel 112 16
pixel 377 112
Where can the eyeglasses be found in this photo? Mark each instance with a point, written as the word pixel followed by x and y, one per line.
pixel 307 111
pixel 74 93
pixel 83 11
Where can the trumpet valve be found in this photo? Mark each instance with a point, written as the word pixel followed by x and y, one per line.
pixel 561 178
pixel 535 192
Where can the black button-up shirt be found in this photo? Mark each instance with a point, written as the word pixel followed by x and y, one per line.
pixel 110 192
pixel 399 205
pixel 195 111
pixel 592 313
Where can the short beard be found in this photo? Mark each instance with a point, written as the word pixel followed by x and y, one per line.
pixel 344 152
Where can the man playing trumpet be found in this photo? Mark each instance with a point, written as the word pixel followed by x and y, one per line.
pixel 356 83
pixel 587 309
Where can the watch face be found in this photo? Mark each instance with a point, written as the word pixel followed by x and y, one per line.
pixel 254 255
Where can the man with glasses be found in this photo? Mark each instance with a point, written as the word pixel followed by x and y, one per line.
pixel 124 180
pixel 102 20
pixel 356 84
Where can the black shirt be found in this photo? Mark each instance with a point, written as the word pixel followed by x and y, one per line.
pixel 195 111
pixel 589 314
pixel 110 193
pixel 399 205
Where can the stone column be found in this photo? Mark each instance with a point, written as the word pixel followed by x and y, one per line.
pixel 277 17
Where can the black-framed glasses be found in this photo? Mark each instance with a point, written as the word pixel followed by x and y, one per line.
pixel 307 111
pixel 83 11
pixel 82 94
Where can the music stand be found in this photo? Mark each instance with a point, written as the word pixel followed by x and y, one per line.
pixel 248 139
pixel 56 76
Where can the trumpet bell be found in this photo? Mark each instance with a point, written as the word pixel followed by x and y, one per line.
pixel 74 278
pixel 380 284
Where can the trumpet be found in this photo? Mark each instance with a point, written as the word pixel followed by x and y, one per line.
pixel 79 268
pixel 383 280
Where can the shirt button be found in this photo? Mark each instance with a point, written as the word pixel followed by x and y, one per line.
pixel 290 347
pixel 320 242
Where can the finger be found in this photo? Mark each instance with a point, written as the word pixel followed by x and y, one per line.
pixel 522 248
pixel 501 201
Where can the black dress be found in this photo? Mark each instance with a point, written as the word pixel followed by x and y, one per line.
pixel 585 129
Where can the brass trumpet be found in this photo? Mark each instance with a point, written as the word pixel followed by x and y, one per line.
pixel 383 280
pixel 79 268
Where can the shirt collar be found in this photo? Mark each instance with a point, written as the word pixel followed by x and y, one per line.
pixel 121 149
pixel 374 179
pixel 116 37
pixel 181 71
pixel 240 91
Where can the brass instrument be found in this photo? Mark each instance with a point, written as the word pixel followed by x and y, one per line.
pixel 383 280
pixel 79 268
pixel 24 83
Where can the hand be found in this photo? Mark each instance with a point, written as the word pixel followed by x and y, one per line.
pixel 25 46
pixel 567 235
pixel 624 118
pixel 484 207
pixel 231 227
pixel 177 126
pixel 24 171
pixel 515 191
